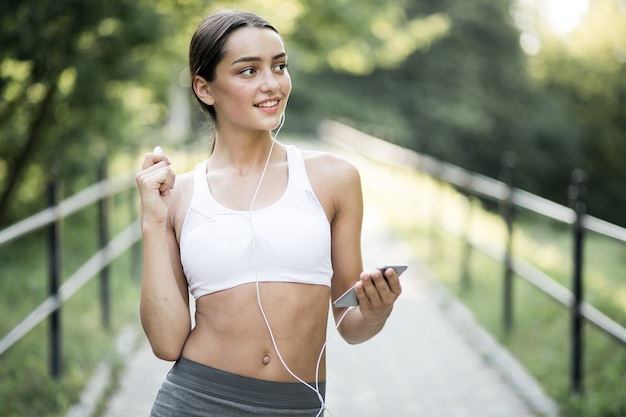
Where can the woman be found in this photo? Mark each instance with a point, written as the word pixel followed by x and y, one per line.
pixel 261 234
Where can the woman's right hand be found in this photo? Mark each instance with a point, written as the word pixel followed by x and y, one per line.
pixel 164 316
pixel 155 181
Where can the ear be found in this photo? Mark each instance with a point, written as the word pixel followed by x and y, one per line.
pixel 203 90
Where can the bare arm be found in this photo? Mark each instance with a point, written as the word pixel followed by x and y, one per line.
pixel 164 302
pixel 376 295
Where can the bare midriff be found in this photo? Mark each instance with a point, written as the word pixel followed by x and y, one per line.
pixel 230 333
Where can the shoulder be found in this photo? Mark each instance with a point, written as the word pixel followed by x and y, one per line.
pixel 183 186
pixel 336 182
pixel 330 168
pixel 180 199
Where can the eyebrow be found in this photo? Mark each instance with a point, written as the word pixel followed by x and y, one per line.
pixel 256 58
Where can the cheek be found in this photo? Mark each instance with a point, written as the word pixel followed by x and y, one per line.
pixel 285 85
pixel 231 97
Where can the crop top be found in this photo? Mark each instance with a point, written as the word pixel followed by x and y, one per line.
pixel 288 241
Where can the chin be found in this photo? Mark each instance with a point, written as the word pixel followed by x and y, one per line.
pixel 273 125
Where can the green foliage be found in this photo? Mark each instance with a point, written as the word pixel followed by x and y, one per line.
pixel 347 36
pixel 464 97
pixel 82 79
pixel 27 388
pixel 588 65
pixel 460 87
pixel 73 83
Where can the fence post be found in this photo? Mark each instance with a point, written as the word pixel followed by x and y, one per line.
pixel 435 208
pixel 135 259
pixel 54 281
pixel 577 195
pixel 507 210
pixel 466 257
pixel 104 241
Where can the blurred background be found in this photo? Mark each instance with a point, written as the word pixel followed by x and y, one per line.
pixel 461 81
pixel 538 82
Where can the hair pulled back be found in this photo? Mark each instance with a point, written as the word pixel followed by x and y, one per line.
pixel 208 43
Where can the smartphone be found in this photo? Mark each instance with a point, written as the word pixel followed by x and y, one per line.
pixel 349 298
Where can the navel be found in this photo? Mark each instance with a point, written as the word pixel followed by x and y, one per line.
pixel 266 360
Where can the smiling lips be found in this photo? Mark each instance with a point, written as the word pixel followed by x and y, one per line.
pixel 269 104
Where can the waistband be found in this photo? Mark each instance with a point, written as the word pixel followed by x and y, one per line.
pixel 245 390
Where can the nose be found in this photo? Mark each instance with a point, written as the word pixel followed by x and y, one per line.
pixel 269 82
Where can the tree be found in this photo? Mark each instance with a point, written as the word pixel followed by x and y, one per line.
pixel 464 97
pixel 447 78
pixel 72 74
pixel 588 65
pixel 81 79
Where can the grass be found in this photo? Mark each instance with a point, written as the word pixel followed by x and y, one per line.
pixel 27 389
pixel 432 216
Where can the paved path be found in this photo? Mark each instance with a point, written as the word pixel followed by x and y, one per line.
pixel 425 362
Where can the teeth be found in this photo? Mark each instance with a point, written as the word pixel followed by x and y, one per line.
pixel 268 104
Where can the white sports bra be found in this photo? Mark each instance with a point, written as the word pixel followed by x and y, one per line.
pixel 289 241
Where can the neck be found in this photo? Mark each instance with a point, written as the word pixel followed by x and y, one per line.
pixel 267 162
pixel 243 154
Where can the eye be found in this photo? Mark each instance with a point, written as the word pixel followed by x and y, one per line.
pixel 248 71
pixel 282 67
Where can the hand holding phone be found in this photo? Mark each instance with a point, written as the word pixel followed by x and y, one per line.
pixel 349 298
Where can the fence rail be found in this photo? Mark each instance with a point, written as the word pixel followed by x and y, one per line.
pixel 98 263
pixel 84 274
pixel 77 202
pixel 505 194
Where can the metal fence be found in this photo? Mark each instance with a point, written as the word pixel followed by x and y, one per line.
pixel 97 265
pixel 511 198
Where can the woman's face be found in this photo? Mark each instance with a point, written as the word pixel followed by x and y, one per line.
pixel 251 84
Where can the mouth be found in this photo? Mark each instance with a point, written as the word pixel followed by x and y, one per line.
pixel 267 104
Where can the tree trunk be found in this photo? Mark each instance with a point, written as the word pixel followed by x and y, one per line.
pixel 21 162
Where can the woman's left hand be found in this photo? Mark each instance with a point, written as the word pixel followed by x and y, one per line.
pixel 377 294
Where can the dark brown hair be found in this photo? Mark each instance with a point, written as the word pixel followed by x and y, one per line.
pixel 208 43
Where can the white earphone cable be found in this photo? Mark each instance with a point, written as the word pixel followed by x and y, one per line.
pixel 315 388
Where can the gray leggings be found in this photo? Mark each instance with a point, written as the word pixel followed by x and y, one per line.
pixel 195 390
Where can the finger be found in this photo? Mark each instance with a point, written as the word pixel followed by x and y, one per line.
pixel 168 184
pixel 153 159
pixel 155 173
pixel 370 288
pixel 393 281
pixel 385 287
pixel 361 295
pixel 162 179
pixel 158 176
pixel 380 282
